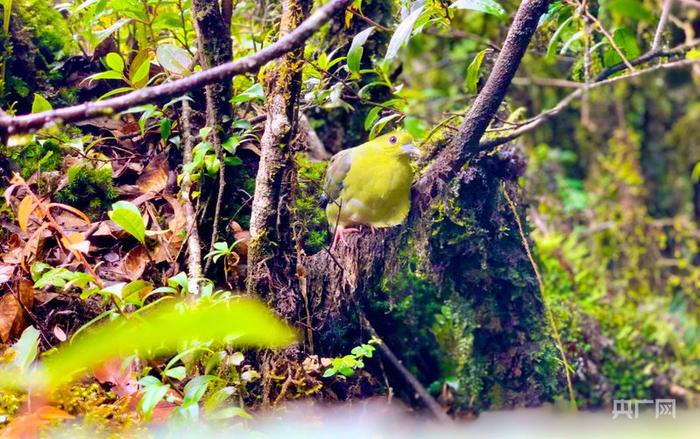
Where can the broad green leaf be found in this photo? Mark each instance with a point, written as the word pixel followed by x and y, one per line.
pixel 174 59
pixel 139 69
pixel 152 395
pixel 109 74
pixel 103 34
pixel 26 349
pixel 127 216
pixel 195 388
pixel 381 123
pixel 176 372
pixel 356 49
pixel 552 47
pixel 40 104
pixel 486 6
pixel 473 72
pixel 627 42
pixel 402 33
pixel 114 61
pixel 254 92
pixel 163 329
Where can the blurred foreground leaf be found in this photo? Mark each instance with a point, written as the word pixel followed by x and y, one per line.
pixel 162 330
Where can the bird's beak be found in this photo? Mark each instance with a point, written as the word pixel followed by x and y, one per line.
pixel 411 150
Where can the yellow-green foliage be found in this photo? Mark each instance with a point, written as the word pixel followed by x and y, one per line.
pixel 622 287
pixel 101 410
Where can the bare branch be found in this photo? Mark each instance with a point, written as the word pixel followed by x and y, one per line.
pixel 663 20
pixel 30 122
pixel 546 115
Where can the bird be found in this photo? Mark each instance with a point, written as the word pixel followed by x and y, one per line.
pixel 370 184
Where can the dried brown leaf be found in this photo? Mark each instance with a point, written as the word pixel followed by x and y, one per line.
pixel 134 263
pixel 24 210
pixel 154 177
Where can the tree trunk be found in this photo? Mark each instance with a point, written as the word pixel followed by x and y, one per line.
pixel 272 256
pixel 460 255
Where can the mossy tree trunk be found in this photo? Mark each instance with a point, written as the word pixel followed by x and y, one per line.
pixel 460 255
pixel 272 256
pixel 212 25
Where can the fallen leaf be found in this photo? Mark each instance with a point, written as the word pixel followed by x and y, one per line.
pixel 76 242
pixel 23 212
pixel 134 263
pixel 154 177
pixel 120 375
pixel 6 273
pixel 9 312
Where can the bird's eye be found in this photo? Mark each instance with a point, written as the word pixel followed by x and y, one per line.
pixel 392 139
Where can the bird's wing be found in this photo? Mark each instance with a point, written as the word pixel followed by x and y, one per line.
pixel 335 174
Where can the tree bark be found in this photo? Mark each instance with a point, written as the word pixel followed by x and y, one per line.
pixel 459 248
pixel 272 255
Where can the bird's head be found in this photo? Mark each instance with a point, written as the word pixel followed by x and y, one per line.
pixel 398 143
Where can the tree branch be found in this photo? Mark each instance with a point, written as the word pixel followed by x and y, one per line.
pixel 30 122
pixel 546 115
pixel 656 44
pixel 466 142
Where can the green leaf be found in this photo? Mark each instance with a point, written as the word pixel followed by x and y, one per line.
pixel 114 61
pixel 103 34
pixel 139 69
pixel 372 117
pixel 229 412
pixel 552 47
pixel 633 9
pixel 254 92
pixel 152 395
pixel 174 59
pixel 165 129
pixel 177 373
pixel 402 33
pixel 127 216
pixel 329 373
pixel 626 41
pixel 109 74
pixel 486 6
pixel 40 104
pixel 163 329
pixel 195 388
pixel 26 348
pixel 356 49
pixel 473 72
pixel 381 123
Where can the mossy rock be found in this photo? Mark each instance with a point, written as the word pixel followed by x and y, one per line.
pixel 90 188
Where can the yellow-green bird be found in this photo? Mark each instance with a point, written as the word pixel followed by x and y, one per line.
pixel 370 184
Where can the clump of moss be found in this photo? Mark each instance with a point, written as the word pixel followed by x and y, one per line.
pixel 89 188
pixel 10 403
pixel 308 205
pixel 38 155
pixel 101 410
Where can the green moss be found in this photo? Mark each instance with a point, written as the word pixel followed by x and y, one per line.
pixel 44 155
pixel 308 207
pixel 89 188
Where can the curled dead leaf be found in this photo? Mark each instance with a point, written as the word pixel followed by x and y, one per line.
pixel 154 177
pixel 134 263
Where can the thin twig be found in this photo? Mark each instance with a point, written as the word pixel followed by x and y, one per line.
pixel 610 40
pixel 435 408
pixel 540 285
pixel 536 121
pixel 194 246
pixel 663 20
